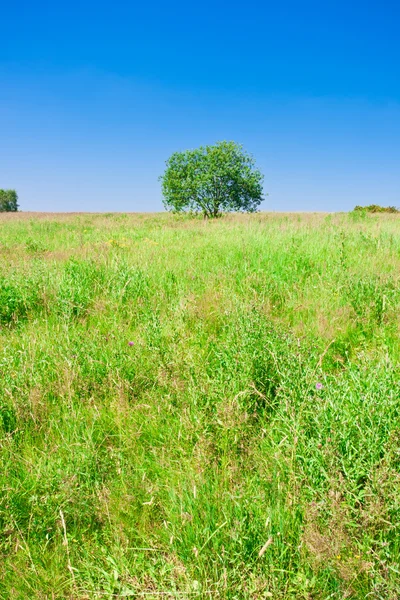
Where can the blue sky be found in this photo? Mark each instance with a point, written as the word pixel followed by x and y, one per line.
pixel 94 97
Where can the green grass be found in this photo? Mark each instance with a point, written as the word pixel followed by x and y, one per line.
pixel 162 468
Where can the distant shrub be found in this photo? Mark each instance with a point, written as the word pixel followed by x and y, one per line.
pixel 8 201
pixel 375 208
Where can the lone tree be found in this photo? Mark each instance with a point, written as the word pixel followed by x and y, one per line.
pixel 8 201
pixel 212 180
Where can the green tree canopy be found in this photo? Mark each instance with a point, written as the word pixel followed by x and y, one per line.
pixel 212 180
pixel 8 201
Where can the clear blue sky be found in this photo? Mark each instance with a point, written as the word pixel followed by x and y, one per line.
pixel 95 96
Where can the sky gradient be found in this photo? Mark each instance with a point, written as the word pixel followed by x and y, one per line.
pixel 94 97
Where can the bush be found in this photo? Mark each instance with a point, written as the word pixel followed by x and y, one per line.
pixel 375 208
pixel 8 201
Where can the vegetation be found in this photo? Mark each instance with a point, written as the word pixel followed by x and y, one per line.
pixel 8 201
pixel 212 180
pixel 199 409
pixel 375 208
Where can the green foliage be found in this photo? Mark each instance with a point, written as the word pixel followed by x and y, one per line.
pixel 212 180
pixel 35 246
pixel 199 409
pixel 8 201
pixel 375 208
pixel 19 297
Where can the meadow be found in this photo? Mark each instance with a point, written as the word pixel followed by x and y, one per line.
pixel 199 409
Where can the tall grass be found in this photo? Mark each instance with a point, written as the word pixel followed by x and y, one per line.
pixel 199 409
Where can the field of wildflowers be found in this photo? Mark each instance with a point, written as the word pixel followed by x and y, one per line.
pixel 200 409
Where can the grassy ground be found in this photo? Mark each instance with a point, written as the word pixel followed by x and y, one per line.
pixel 199 409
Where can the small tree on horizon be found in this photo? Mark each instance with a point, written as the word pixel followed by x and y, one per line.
pixel 212 180
pixel 8 201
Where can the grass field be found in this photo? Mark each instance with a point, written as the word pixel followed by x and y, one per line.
pixel 199 409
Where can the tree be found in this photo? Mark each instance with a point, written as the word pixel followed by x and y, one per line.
pixel 8 201
pixel 212 180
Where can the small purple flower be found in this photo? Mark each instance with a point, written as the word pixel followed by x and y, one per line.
pixel 131 343
pixel 318 385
